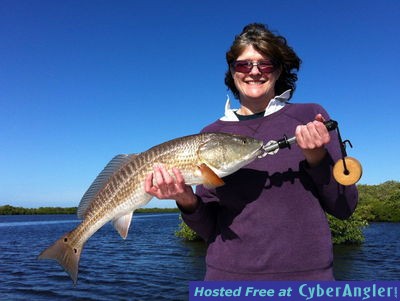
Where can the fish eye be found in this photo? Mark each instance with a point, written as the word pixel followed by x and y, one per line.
pixel 244 141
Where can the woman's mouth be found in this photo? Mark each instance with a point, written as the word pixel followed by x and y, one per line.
pixel 255 82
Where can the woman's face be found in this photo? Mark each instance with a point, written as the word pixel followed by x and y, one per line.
pixel 255 85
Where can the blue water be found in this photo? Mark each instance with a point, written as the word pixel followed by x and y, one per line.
pixel 151 264
pixel 378 258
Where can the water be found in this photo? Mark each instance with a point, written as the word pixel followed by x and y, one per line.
pixel 151 264
pixel 376 259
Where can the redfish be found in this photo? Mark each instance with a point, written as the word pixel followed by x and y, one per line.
pixel 119 189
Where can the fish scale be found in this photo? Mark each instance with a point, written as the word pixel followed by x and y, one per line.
pixel 119 189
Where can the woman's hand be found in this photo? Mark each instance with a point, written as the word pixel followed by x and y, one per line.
pixel 162 185
pixel 312 138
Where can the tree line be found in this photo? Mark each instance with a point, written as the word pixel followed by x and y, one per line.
pixel 377 203
pixel 11 210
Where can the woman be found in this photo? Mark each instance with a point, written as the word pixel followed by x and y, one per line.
pixel 268 221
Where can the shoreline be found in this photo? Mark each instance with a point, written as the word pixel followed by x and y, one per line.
pixel 11 210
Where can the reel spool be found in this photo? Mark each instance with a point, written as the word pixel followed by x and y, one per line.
pixel 347 171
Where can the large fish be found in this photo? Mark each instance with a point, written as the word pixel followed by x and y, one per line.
pixel 119 189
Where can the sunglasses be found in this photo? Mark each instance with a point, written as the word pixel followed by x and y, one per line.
pixel 264 66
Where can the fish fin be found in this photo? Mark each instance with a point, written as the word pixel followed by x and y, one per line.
pixel 122 223
pixel 101 180
pixel 66 255
pixel 210 178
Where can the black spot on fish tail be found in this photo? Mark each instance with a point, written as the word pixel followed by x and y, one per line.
pixel 66 255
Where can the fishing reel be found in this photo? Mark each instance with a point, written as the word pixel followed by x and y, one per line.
pixel 346 171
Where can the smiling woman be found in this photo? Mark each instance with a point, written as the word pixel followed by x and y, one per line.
pixel 270 214
pixel 255 85
pixel 257 43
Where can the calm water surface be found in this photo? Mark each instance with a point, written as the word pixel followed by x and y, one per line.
pixel 151 264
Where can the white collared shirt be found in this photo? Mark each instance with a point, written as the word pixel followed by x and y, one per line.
pixel 274 105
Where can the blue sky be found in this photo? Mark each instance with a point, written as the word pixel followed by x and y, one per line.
pixel 82 81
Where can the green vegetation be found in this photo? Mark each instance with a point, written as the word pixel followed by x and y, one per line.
pixel 347 231
pixel 186 233
pixel 380 203
pixel 377 203
pixel 157 210
pixel 10 210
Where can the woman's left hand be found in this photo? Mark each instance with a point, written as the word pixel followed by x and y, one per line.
pixel 312 138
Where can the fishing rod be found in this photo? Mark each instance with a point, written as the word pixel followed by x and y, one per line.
pixel 346 171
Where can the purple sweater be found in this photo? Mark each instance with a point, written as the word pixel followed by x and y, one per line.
pixel 268 221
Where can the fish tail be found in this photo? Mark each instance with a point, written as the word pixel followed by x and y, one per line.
pixel 67 256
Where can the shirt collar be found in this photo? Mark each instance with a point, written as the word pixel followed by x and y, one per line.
pixel 275 104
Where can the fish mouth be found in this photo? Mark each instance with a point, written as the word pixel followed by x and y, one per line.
pixel 260 148
pixel 258 152
pixel 254 155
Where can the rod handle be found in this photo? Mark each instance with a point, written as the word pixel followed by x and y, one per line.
pixel 331 125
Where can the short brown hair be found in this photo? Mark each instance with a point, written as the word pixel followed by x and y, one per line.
pixel 274 47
